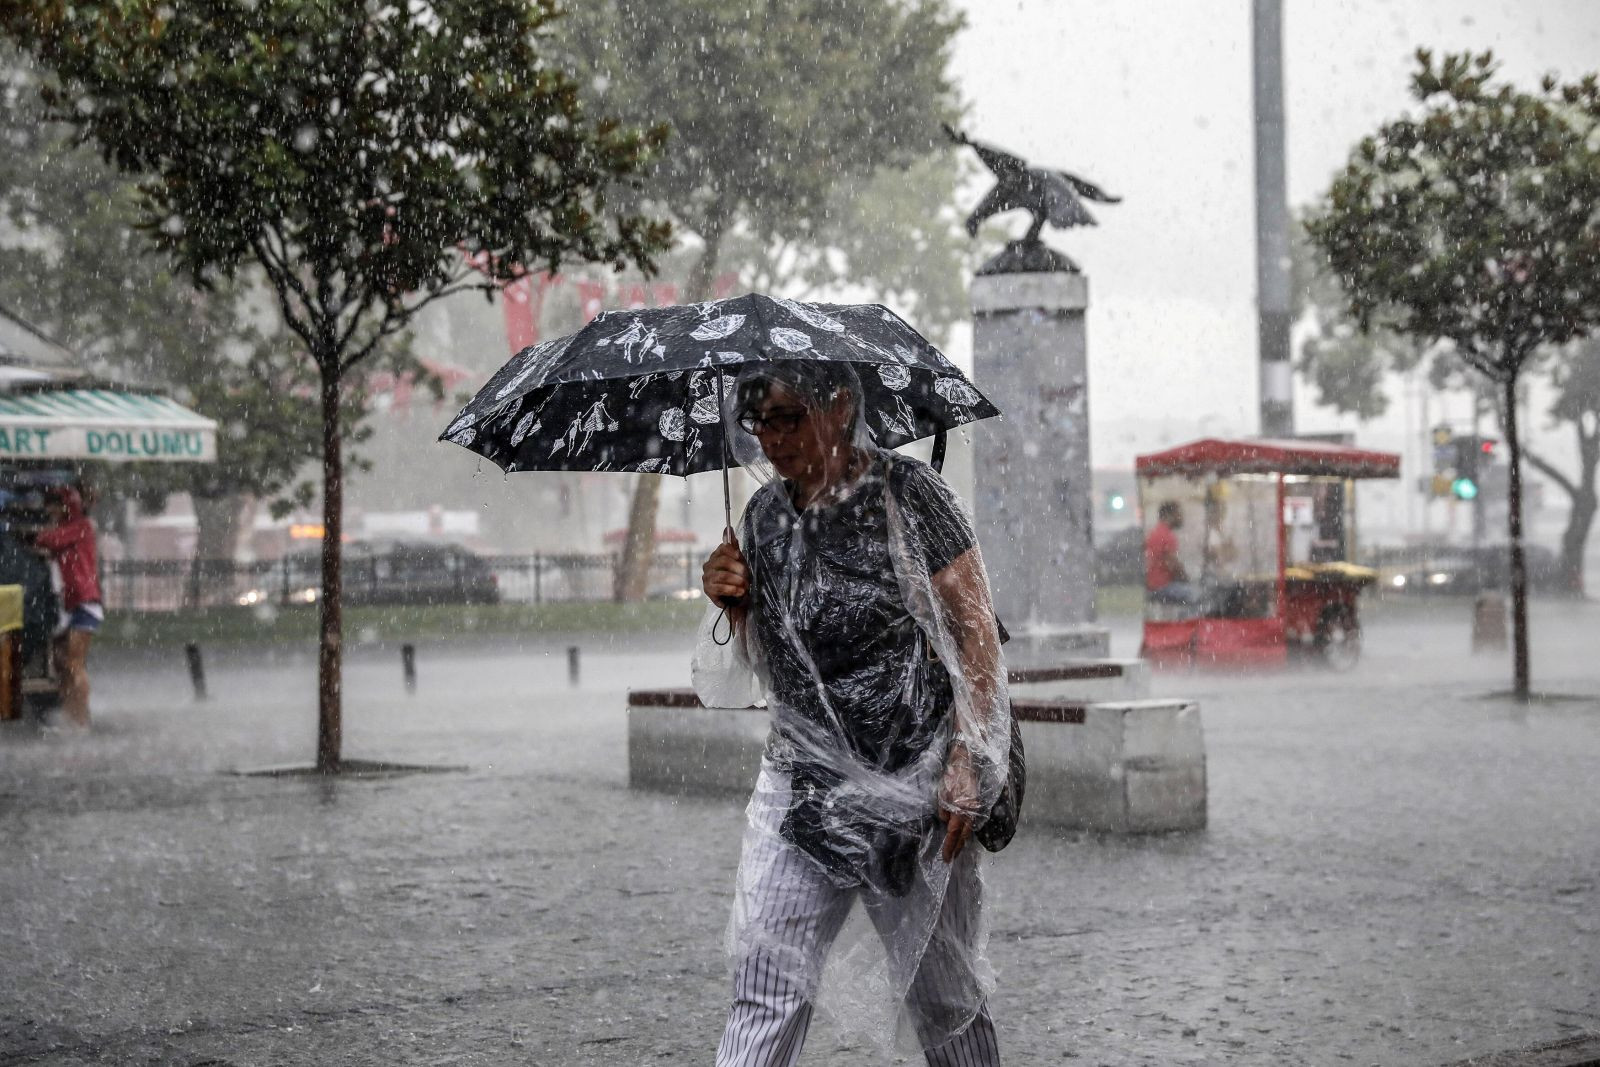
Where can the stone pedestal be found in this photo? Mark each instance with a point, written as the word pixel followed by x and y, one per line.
pixel 1033 496
pixel 1101 755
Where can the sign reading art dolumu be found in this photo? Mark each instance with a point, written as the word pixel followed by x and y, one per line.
pixel 103 425
pixel 20 442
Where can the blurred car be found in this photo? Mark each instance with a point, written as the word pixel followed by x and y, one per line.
pixel 1458 570
pixel 384 572
pixel 1120 560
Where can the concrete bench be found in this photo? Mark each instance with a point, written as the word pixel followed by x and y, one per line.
pixel 1128 766
pixel 1122 766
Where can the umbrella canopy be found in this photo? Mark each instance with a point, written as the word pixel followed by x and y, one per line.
pixel 642 390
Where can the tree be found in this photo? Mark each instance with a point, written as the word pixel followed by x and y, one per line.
pixel 83 272
pixel 1348 367
pixel 352 152
pixel 785 113
pixel 1473 225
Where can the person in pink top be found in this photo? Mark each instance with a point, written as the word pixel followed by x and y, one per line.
pixel 70 541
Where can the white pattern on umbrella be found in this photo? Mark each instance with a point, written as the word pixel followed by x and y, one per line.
pixel 463 437
pixel 538 360
pixel 957 392
pixel 706 410
pixel 811 316
pixel 901 420
pixel 790 340
pixel 463 420
pixel 672 425
pixel 711 359
pixel 525 425
pixel 637 341
pixel 894 376
pixel 595 419
pixel 717 328
pixel 659 465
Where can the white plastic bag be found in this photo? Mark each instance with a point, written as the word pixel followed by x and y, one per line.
pixel 721 673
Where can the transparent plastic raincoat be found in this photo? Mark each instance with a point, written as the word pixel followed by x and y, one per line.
pixel 869 633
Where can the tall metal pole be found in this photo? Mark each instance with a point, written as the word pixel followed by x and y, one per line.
pixel 1272 222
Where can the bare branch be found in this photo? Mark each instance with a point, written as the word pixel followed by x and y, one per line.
pixel 280 287
pixel 1543 466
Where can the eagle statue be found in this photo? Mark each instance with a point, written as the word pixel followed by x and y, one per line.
pixel 1052 196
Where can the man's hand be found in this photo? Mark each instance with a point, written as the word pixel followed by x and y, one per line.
pixel 958 800
pixel 724 577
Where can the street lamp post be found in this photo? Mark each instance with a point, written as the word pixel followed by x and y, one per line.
pixel 1272 222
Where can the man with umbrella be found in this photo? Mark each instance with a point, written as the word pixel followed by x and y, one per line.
pixel 855 595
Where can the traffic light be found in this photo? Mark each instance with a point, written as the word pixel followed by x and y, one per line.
pixel 1116 501
pixel 1472 453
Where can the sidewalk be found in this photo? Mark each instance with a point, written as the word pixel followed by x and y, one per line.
pixel 1398 871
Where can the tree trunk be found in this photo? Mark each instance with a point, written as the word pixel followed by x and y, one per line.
pixel 1576 537
pixel 1519 568
pixel 1585 502
pixel 217 526
pixel 329 711
pixel 632 583
pixel 639 548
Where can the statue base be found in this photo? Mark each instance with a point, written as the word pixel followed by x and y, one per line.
pixel 1034 501
pixel 1029 257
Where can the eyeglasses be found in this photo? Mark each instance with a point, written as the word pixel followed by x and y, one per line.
pixel 785 421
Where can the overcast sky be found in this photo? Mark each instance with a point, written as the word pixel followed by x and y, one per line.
pixel 1152 100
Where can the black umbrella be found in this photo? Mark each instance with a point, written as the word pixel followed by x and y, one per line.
pixel 642 390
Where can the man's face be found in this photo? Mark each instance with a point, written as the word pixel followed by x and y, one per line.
pixel 1175 519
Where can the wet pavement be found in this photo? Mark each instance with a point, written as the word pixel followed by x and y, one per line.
pixel 1399 870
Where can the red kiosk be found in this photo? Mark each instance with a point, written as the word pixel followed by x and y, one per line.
pixel 1249 550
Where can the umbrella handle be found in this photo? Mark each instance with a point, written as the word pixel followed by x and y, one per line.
pixel 726 602
pixel 727 497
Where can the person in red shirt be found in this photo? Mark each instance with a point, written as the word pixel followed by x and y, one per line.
pixel 71 543
pixel 1165 579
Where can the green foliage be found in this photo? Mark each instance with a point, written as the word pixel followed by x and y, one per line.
pixel 801 132
pixel 352 149
pixel 357 152
pixel 79 270
pixel 1473 223
pixel 1472 226
pixel 1346 363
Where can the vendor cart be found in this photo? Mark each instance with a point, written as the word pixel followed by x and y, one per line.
pixel 57 429
pixel 1249 549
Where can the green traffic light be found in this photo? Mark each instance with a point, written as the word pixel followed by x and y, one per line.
pixel 1464 489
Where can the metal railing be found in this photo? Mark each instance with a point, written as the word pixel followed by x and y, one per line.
pixel 180 585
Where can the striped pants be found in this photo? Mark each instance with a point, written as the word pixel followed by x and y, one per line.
pixel 798 912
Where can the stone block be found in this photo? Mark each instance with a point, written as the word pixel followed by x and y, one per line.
pixel 677 745
pixel 1134 766
pixel 1119 766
